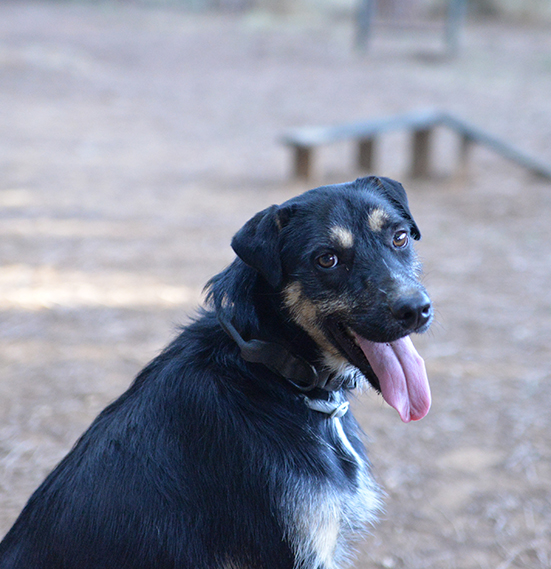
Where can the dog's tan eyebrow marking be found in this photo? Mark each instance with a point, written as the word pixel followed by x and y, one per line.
pixel 377 218
pixel 342 236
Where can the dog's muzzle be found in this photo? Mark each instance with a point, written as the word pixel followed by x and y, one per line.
pixel 392 367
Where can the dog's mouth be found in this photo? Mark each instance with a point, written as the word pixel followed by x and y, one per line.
pixel 395 369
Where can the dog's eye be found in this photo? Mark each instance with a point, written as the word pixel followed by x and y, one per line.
pixel 328 261
pixel 400 239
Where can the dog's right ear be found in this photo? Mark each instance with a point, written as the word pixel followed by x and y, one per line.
pixel 257 244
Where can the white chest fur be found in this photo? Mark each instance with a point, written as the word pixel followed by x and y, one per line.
pixel 323 520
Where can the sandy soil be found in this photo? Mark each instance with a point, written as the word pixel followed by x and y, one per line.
pixel 134 142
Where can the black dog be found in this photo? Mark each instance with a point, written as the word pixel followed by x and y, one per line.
pixel 234 448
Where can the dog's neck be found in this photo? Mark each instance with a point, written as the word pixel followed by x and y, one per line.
pixel 280 360
pixel 252 314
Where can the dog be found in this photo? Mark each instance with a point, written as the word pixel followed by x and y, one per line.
pixel 235 447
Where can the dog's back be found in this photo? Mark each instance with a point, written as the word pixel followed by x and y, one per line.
pixel 234 448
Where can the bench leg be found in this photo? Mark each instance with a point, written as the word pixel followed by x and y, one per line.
pixel 420 166
pixel 303 162
pixel 366 155
pixel 465 146
pixel 364 19
pixel 457 10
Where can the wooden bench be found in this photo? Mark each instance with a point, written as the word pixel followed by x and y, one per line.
pixel 455 20
pixel 421 124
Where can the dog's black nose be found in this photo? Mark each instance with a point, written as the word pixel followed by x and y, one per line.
pixel 413 310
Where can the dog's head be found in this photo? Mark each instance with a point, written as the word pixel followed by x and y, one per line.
pixel 341 257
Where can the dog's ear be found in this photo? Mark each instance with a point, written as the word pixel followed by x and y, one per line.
pixel 257 245
pixel 394 192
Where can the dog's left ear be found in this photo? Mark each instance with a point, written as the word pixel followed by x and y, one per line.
pixel 394 192
pixel 257 245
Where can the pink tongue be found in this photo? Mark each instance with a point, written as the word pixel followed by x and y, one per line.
pixel 402 375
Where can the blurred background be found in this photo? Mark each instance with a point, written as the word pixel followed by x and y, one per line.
pixel 137 137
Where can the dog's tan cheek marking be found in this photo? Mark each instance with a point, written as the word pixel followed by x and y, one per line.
pixel 335 306
pixel 306 315
pixel 303 311
pixel 342 237
pixel 377 219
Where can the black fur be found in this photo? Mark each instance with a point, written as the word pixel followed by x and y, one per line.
pixel 210 462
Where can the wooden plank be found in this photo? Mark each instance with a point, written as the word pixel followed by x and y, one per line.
pixel 505 149
pixel 316 136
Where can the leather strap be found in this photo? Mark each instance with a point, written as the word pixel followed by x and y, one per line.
pixel 278 359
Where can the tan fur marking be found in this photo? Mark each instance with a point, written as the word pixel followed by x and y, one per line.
pixel 335 306
pixel 302 310
pixel 337 363
pixel 306 314
pixel 377 219
pixel 342 236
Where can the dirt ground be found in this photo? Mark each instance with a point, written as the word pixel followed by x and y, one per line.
pixel 135 141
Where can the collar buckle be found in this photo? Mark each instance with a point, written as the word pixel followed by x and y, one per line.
pixel 332 407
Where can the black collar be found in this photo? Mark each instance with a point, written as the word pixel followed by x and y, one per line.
pixel 295 369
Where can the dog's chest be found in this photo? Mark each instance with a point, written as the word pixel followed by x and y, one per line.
pixel 323 516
